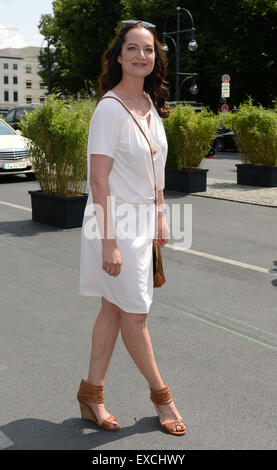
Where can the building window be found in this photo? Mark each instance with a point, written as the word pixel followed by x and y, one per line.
pixel 28 69
pixel 42 86
pixel 6 66
pixel 6 96
pixel 15 96
pixel 6 80
pixel 28 84
pixel 15 66
pixel 42 99
pixel 28 99
pixel 15 81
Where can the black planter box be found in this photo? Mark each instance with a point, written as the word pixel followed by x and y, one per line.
pixel 186 180
pixel 257 175
pixel 61 211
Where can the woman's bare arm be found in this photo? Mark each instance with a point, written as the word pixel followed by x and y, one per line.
pixel 100 167
pixel 163 230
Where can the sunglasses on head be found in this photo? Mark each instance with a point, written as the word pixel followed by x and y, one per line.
pixel 126 23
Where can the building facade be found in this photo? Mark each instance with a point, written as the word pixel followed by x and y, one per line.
pixel 11 80
pixel 29 87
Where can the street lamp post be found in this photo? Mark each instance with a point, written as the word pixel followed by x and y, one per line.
pixel 47 51
pixel 192 46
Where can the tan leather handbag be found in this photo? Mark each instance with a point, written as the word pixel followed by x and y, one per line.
pixel 158 273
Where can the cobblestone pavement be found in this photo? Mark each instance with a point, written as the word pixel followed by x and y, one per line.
pixel 230 190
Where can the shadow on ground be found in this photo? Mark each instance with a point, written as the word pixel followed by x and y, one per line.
pixel 71 434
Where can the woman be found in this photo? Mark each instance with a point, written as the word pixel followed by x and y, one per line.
pixel 119 269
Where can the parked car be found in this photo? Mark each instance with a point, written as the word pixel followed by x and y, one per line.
pixel 225 140
pixel 14 153
pixel 15 114
pixel 4 111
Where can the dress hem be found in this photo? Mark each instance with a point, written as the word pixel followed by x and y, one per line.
pixel 128 310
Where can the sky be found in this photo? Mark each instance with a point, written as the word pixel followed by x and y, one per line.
pixel 24 15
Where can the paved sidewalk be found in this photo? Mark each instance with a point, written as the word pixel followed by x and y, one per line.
pixel 230 190
pixel 220 318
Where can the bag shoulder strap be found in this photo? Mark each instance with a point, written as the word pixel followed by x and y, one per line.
pixel 151 151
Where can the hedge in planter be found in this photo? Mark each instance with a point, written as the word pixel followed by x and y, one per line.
pixel 256 137
pixel 190 136
pixel 58 133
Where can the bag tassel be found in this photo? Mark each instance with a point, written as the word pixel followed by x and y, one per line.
pixel 158 273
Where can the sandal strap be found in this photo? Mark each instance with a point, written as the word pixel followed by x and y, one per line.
pixel 173 424
pixel 110 419
pixel 107 423
pixel 89 392
pixel 162 396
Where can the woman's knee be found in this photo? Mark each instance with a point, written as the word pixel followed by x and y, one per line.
pixel 139 319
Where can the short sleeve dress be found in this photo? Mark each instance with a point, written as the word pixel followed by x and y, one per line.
pixel 114 133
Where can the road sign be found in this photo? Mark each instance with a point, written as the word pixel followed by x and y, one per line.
pixel 225 90
pixel 226 78
pixel 224 108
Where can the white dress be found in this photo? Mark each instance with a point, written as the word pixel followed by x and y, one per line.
pixel 114 133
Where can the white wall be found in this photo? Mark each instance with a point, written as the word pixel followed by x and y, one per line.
pixel 29 57
pixel 10 87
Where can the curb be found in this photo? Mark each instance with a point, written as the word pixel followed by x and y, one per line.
pixel 255 195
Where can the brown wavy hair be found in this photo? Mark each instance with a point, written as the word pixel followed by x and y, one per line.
pixel 154 84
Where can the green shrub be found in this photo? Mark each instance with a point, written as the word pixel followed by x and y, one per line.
pixel 255 133
pixel 189 136
pixel 58 133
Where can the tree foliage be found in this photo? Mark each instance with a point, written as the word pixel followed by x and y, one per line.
pixel 237 37
pixel 81 31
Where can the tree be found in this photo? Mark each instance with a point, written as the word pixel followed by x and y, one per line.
pixel 237 37
pixel 81 31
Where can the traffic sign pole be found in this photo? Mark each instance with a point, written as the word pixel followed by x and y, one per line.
pixel 225 91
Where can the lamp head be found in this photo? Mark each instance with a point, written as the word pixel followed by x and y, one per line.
pixel 194 89
pixel 193 46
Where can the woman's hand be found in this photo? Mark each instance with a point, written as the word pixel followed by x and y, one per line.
pixel 163 230
pixel 111 257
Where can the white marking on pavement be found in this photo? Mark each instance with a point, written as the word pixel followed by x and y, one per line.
pixel 219 258
pixel 185 250
pixel 15 205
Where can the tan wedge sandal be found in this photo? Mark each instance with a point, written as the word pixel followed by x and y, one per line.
pixel 164 397
pixel 93 393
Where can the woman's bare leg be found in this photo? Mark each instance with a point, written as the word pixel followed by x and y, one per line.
pixel 104 336
pixel 136 337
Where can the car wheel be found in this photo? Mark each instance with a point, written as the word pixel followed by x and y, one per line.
pixel 219 145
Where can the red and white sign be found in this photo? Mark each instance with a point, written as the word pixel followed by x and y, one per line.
pixel 224 108
pixel 226 77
